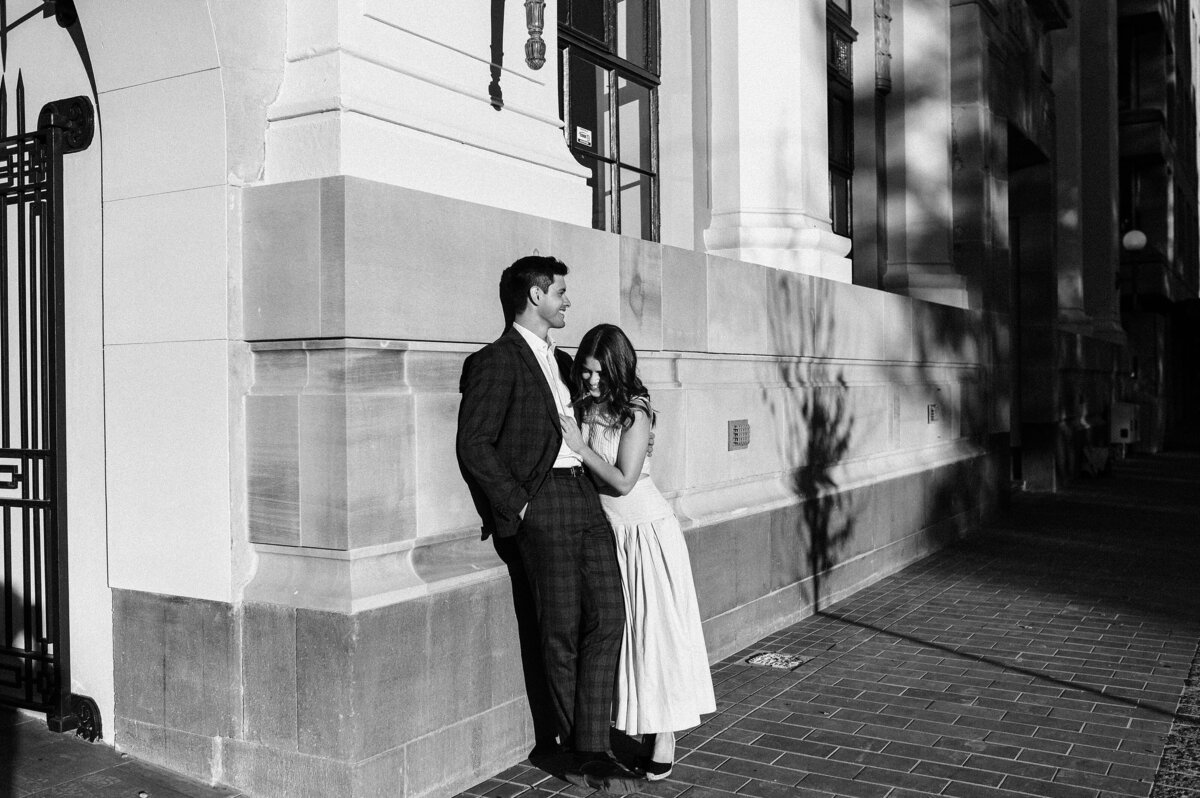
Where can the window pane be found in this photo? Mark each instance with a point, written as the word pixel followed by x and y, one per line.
pixel 839 130
pixel 636 203
pixel 839 203
pixel 632 31
pixel 633 118
pixel 589 116
pixel 587 17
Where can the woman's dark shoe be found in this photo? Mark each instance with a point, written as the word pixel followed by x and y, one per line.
pixel 657 771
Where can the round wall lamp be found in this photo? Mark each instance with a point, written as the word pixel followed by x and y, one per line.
pixel 1134 241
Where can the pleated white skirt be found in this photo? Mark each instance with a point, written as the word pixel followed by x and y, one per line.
pixel 663 680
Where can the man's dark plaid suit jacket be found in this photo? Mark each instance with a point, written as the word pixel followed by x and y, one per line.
pixel 508 429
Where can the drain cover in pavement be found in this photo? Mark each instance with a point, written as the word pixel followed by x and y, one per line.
pixel 770 659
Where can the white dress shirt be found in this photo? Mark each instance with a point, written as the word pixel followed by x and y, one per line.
pixel 543 350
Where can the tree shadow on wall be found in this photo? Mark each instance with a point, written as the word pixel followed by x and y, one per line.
pixel 809 402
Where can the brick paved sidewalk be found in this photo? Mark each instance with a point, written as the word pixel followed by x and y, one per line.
pixel 1043 657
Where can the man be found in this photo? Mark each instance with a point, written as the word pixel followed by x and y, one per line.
pixel 529 485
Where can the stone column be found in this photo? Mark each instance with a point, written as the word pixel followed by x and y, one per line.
pixel 919 166
pixel 770 154
pixel 434 97
pixel 1068 90
pixel 1100 180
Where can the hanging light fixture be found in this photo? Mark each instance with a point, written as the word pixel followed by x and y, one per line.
pixel 535 48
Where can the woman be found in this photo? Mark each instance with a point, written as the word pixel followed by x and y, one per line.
pixel 663 681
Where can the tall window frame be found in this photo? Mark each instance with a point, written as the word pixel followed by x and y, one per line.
pixel 840 38
pixel 609 71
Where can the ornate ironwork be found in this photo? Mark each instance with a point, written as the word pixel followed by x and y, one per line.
pixel 840 57
pixel 87 715
pixel 74 117
pixel 34 652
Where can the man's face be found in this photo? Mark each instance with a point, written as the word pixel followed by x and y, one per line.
pixel 553 303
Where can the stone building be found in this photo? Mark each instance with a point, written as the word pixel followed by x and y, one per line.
pixel 868 251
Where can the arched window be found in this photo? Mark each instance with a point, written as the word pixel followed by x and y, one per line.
pixel 608 65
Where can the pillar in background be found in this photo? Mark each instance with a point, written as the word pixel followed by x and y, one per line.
pixel 919 175
pixel 1100 180
pixel 769 140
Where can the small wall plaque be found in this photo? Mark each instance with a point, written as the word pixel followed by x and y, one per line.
pixel 583 137
pixel 739 434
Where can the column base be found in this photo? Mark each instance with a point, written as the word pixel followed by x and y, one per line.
pixel 785 241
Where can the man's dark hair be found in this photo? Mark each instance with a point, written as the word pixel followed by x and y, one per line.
pixel 525 273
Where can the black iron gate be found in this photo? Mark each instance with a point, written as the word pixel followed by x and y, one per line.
pixel 34 652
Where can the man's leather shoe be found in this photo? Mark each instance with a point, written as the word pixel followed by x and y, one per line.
pixel 605 774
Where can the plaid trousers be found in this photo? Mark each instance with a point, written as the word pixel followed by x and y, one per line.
pixel 568 551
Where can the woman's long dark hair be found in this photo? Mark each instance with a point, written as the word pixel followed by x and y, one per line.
pixel 620 385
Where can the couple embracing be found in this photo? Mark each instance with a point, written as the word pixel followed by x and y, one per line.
pixel 560 451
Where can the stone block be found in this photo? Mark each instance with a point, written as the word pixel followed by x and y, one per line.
pixel 394 237
pixel 452 759
pixel 258 769
pixel 715 549
pixel 391 691
pixel 856 520
pixel 168 451
pixel 641 292
pixel 668 461
pixel 788 565
pixel 190 754
pixel 322 468
pixel 201 677
pixel 176 45
pixel 146 741
pixel 895 328
pixel 684 300
pixel 328 724
pixel 273 469
pixel 183 294
pixel 853 316
pixel 501 658
pixel 382 776
pixel 139 647
pixel 438 759
pixel 282 229
pixel 442 500
pixel 907 498
pixel 867 421
pixel 381 479
pixel 738 293
pixel 594 284
pixel 158 121
pixel 458 633
pixel 356 469
pixel 269 660
pixel 752 557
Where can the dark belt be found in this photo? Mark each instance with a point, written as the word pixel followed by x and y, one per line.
pixel 573 472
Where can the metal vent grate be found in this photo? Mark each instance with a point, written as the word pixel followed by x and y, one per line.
pixel 772 659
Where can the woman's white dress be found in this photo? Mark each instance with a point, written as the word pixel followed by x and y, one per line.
pixel 663 680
